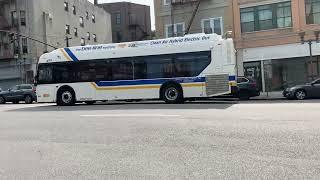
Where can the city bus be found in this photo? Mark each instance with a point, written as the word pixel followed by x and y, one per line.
pixel 173 70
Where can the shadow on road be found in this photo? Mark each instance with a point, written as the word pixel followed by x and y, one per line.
pixel 130 106
pixel 281 101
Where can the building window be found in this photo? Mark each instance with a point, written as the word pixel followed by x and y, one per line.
pixel 74 11
pixel 266 17
pixel 284 15
pixel 81 22
pixel 213 25
pixel 87 15
pixel 118 18
pixel 167 2
pixel 175 30
pixel 23 18
pixel 66 6
pixel 313 11
pixel 93 18
pixel 24 45
pixel 67 29
pixel 88 36
pixel 94 37
pixel 83 42
pixel 75 32
pixel 14 18
pixel 118 36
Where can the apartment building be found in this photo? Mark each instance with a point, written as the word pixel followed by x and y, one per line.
pixel 268 41
pixel 174 16
pixel 57 23
pixel 130 21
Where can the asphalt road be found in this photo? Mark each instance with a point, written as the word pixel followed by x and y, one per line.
pixel 208 140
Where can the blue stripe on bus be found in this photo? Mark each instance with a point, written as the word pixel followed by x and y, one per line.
pixel 72 56
pixel 149 82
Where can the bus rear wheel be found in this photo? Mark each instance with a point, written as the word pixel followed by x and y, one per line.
pixel 172 94
pixel 66 97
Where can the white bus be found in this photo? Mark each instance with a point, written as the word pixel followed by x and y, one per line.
pixel 173 70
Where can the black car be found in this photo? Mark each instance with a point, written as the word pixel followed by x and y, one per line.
pixel 247 88
pixel 24 92
pixel 301 92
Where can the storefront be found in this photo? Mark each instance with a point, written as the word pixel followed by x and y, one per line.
pixel 278 67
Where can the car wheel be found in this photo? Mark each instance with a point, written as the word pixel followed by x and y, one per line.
pixel 2 100
pixel 28 99
pixel 172 94
pixel 300 95
pixel 66 97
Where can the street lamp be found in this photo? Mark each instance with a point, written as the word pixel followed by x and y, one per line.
pixel 310 42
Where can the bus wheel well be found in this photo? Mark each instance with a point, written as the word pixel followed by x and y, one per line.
pixel 164 85
pixel 66 87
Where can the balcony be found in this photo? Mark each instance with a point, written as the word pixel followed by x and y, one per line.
pixel 5 1
pixel 181 2
pixel 4 25
pixel 6 51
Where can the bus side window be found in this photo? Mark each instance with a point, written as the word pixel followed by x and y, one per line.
pixel 63 73
pixel 140 68
pixel 44 74
pixel 122 70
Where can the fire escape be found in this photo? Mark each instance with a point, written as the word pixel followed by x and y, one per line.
pixel 6 49
pixel 137 28
pixel 179 3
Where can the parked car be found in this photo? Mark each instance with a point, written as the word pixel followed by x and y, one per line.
pixel 301 92
pixel 247 88
pixel 23 92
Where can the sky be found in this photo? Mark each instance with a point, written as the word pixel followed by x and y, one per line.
pixel 145 2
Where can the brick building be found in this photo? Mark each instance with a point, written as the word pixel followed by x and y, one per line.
pixel 267 35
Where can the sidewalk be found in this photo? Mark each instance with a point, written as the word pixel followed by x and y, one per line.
pixel 277 95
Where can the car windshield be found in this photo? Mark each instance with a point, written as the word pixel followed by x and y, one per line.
pixel 317 81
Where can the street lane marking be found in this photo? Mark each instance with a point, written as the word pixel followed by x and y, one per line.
pixel 130 115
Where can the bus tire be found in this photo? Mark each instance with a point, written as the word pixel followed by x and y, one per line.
pixel 66 97
pixel 172 93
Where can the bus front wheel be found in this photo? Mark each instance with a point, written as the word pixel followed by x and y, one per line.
pixel 66 97
pixel 172 94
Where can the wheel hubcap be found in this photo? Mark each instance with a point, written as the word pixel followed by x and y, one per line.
pixel 66 97
pixel 28 99
pixel 301 95
pixel 171 94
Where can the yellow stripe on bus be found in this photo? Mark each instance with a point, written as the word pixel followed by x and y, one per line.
pixel 142 87
pixel 65 54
